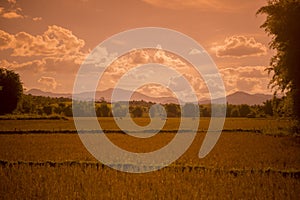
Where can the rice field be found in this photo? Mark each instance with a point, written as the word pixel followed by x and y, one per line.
pixel 250 161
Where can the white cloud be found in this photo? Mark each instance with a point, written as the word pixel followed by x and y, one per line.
pixel 12 15
pixel 214 5
pixel 155 90
pixel 12 1
pixel 37 18
pixel 56 43
pixel 195 52
pixel 240 46
pixel 56 52
pixel 252 79
pixel 33 65
pixel 6 40
pixel 49 83
pixel 14 12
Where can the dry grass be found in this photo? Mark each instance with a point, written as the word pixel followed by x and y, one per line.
pixel 243 165
pixel 271 126
pixel 82 181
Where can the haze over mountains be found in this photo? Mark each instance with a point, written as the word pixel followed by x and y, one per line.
pixel 236 98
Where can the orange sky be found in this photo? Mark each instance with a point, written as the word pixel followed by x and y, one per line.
pixel 46 41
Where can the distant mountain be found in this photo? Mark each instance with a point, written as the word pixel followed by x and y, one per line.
pixel 37 92
pixel 236 98
pixel 239 98
pixel 106 94
pixel 245 98
pixel 122 94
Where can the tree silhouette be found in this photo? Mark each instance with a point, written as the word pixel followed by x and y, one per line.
pixel 137 111
pixel 172 110
pixel 283 25
pixel 244 110
pixel 190 110
pixel 10 90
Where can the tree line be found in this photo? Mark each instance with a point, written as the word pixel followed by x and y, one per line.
pixel 14 101
pixel 40 105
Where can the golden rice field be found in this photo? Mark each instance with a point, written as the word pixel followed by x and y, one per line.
pixel 253 159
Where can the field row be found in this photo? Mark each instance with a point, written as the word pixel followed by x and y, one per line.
pixel 178 168
pixel 86 182
pixel 265 126
pixel 233 150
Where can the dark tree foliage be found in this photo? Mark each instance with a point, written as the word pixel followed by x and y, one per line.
pixel 10 90
pixel 103 110
pixel 119 110
pixel 190 110
pixel 173 110
pixel 137 111
pixel 283 25
pixel 244 110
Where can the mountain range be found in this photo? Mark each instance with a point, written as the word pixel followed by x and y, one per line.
pixel 236 98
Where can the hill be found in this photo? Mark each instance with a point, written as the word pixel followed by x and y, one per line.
pixel 236 98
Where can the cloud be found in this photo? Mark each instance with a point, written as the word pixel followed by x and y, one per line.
pixel 12 1
pixel 49 82
pixel 252 79
pixel 56 43
pixel 32 66
pixel 12 15
pixel 37 18
pixel 57 53
pixel 155 90
pixel 195 52
pixel 178 4
pixel 6 40
pixel 240 46
pixel 216 5
pixel 12 11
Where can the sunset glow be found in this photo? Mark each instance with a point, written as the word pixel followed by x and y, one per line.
pixel 46 41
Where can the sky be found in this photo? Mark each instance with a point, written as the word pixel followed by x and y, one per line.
pixel 47 41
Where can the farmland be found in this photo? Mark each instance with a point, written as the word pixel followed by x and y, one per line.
pixel 254 158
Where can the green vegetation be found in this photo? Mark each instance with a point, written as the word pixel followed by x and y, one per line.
pixel 10 90
pixel 275 127
pixel 33 107
pixel 46 106
pixel 283 25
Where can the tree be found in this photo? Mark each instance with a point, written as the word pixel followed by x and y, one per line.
pixel 48 109
pixel 137 111
pixel 205 111
pixel 235 112
pixel 119 110
pixel 172 110
pixel 11 90
pixel 157 110
pixel 190 110
pixel 244 110
pixel 283 25
pixel 103 110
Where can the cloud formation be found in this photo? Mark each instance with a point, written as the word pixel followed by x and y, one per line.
pixel 56 53
pixel 240 46
pixel 12 1
pixel 37 18
pixel 252 79
pixel 57 43
pixel 12 11
pixel 12 15
pixel 49 83
pixel 217 5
